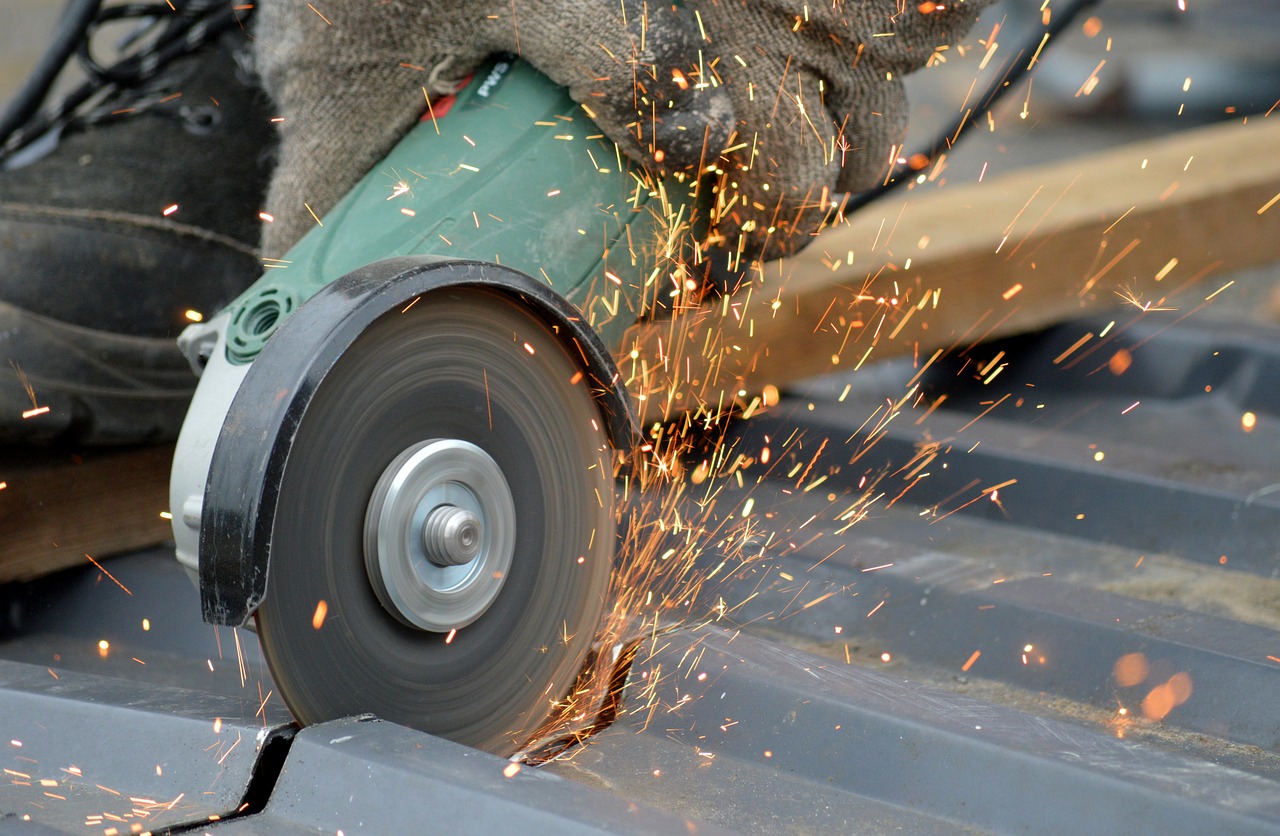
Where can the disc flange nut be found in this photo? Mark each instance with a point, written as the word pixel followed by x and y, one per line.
pixel 452 536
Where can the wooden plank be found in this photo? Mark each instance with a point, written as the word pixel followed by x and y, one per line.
pixel 943 268
pixel 57 506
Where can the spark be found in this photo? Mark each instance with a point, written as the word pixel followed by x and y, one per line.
pixel 431 110
pixel 224 754
pixel 108 574
pixel 1173 262
pixel 317 617
pixel 1119 219
pixel 1219 290
pixel 1130 669
pixel 1074 347
pixel 35 411
pixel 1091 82
pixel 317 11
pixel 170 209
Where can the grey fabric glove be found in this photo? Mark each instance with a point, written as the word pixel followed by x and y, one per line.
pixel 349 83
pixel 818 94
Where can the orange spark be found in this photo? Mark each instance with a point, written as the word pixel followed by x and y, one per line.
pixel 108 574
pixel 1120 362
pixel 317 11
pixel 1130 669
pixel 317 618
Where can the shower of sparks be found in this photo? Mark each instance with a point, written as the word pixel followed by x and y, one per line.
pixel 694 526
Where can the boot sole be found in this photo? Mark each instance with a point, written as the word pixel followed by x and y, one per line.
pixel 61 382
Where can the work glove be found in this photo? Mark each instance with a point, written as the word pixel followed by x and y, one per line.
pixel 818 96
pixel 348 77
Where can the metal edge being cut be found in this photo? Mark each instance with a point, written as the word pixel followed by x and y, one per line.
pixel 253 444
pixel 86 747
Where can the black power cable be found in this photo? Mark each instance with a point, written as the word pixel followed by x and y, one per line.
pixel 1011 71
pixel 168 34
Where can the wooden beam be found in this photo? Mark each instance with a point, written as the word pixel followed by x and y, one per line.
pixel 57 506
pixel 944 268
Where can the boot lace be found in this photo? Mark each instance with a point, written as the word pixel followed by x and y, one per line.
pixel 132 83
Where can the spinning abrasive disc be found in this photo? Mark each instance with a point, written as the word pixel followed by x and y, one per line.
pixel 449 499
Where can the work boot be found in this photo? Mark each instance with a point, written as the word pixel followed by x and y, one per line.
pixel 126 219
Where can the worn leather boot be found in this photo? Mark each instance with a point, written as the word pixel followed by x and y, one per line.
pixel 127 211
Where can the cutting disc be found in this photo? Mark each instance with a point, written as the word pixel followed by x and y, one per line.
pixel 443 539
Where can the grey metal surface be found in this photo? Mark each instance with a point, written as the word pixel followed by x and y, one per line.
pixel 733 698
pixel 367 776
pixel 85 751
pixel 936 612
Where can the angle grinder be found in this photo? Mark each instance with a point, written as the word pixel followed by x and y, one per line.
pixel 398 463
